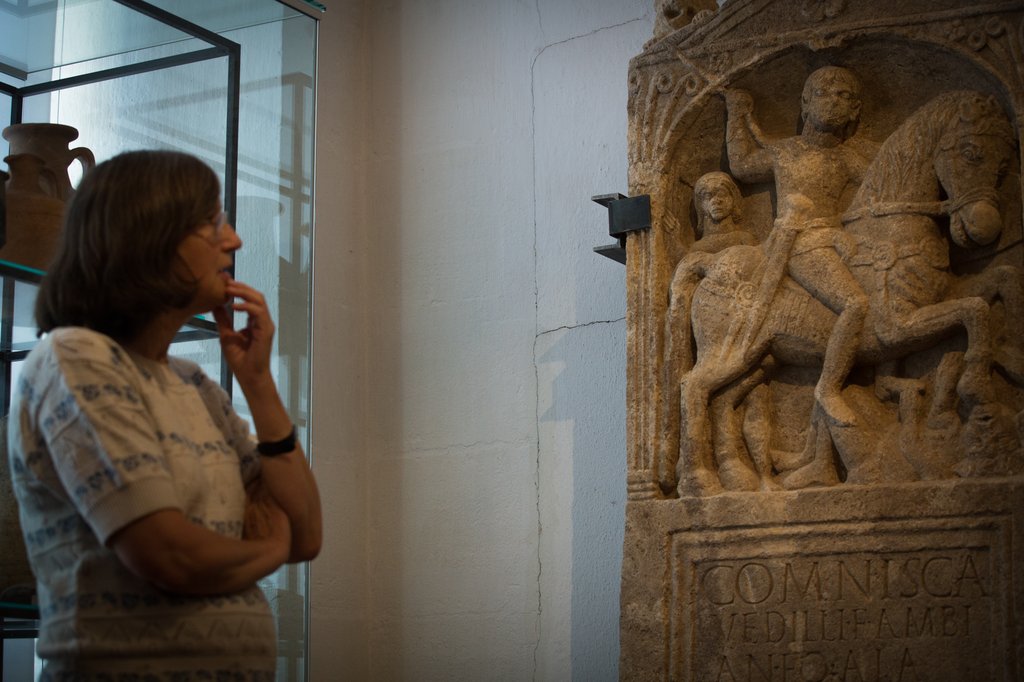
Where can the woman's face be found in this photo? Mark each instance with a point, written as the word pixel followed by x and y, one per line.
pixel 207 253
pixel 717 201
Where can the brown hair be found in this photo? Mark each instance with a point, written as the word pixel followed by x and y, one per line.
pixel 114 269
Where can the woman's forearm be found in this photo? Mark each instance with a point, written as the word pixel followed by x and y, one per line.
pixel 179 556
pixel 289 481
pixel 287 477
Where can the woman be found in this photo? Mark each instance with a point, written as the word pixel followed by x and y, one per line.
pixel 719 206
pixel 130 466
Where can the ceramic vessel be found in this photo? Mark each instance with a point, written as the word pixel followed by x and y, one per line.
pixel 50 142
pixel 34 213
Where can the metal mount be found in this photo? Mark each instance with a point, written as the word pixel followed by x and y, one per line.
pixel 625 215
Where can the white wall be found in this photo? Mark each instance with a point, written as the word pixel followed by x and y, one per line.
pixel 469 346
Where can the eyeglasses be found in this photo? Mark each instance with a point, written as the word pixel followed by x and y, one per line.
pixel 218 223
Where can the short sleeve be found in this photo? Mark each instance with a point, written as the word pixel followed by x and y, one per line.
pixel 104 446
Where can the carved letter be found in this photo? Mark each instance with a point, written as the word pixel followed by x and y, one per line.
pixel 710 592
pixel 927 573
pixel 745 578
pixel 970 573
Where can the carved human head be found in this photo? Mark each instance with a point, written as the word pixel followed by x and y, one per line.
pixel 831 101
pixel 718 202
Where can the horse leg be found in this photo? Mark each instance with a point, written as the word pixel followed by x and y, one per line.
pixel 757 430
pixel 695 469
pixel 678 355
pixel 1004 283
pixel 730 434
pixel 934 321
pixel 820 469
pixel 824 275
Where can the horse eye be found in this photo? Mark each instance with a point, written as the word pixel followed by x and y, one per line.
pixel 971 153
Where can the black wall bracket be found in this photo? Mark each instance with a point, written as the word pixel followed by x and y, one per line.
pixel 625 215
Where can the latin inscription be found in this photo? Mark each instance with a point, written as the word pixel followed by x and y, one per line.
pixel 857 617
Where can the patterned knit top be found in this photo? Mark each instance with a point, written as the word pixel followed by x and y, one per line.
pixel 98 438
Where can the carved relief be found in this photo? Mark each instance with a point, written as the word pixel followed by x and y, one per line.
pixel 869 286
pixel 865 323
pixel 825 379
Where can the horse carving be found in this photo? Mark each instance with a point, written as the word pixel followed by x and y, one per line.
pixel 736 316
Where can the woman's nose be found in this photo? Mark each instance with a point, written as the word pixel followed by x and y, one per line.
pixel 231 241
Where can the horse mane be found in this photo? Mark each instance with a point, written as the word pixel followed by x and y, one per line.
pixel 936 125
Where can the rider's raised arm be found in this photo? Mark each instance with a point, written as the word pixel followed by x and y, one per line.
pixel 750 157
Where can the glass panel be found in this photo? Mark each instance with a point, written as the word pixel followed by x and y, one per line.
pixel 185 107
pixel 274 218
pixel 23 332
pixel 39 35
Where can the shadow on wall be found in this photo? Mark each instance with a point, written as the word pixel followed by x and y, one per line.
pixel 590 394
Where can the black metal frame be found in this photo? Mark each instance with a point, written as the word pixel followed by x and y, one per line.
pixel 17 621
pixel 220 47
pixel 625 215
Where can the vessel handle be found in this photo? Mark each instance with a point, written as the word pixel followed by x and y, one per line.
pixel 85 157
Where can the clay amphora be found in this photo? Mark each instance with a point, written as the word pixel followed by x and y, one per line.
pixel 34 213
pixel 49 141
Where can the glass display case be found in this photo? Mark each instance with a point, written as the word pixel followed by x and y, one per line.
pixel 231 82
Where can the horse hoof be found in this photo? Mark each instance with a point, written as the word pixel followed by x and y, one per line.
pixel 699 483
pixel 817 473
pixel 836 409
pixel 735 475
pixel 974 386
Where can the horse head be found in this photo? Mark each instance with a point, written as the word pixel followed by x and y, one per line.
pixel 971 158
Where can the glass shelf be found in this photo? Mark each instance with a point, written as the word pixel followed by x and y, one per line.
pixel 12 609
pixel 20 316
pixel 18 621
pixel 31 51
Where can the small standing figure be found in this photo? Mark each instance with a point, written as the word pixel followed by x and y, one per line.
pixel 718 203
pixel 723 250
pixel 812 171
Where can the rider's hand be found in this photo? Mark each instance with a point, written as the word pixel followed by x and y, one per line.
pixel 738 102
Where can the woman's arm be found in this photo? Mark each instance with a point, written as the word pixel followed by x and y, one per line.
pixel 179 556
pixel 287 477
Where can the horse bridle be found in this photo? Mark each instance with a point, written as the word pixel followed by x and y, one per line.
pixel 932 209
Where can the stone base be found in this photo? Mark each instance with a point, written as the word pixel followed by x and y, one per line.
pixel 900 583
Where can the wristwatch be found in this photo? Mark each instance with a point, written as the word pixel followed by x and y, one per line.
pixel 277 447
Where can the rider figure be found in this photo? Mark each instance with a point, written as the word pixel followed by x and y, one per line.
pixel 811 171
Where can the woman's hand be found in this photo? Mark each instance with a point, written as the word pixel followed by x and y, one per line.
pixel 246 350
pixel 285 478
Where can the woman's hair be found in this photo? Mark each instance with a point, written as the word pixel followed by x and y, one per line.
pixel 116 266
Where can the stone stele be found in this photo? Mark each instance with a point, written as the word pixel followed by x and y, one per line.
pixel 825 377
